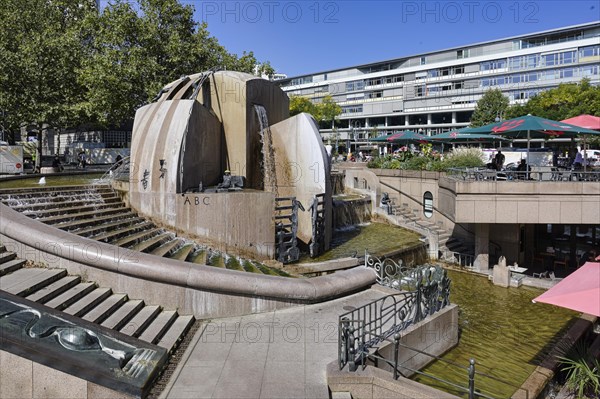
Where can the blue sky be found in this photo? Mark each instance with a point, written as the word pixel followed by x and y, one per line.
pixel 305 36
pixel 300 37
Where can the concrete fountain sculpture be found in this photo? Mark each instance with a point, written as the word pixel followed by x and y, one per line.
pixel 203 124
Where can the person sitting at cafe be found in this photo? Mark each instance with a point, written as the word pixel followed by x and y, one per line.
pixel 499 158
pixel 522 169
pixel 578 162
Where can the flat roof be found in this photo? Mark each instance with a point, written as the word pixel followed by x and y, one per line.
pixel 545 32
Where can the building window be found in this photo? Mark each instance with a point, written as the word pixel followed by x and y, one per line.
pixel 420 90
pixel 428 204
pixel 462 54
pixel 355 85
pixel 423 60
pixel 589 51
pixel 354 109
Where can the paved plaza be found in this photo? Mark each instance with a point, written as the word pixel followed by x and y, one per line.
pixel 278 354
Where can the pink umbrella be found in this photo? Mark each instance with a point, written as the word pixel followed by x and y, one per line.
pixel 586 121
pixel 580 291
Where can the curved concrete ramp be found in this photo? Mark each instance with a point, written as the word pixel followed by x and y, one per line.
pixel 201 290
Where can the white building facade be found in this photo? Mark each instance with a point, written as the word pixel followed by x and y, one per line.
pixel 436 92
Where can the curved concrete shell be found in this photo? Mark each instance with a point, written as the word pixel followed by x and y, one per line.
pixel 203 124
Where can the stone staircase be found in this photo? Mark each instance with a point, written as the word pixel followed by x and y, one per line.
pixel 70 294
pixel 450 249
pixel 98 213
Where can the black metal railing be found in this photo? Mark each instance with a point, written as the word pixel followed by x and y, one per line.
pixel 533 175
pixel 472 378
pixel 118 171
pixel 364 328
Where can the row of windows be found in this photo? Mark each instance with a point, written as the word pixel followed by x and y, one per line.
pixel 492 65
pixel 582 72
pixel 352 109
pixel 385 79
pixel 302 80
pixel 523 95
pixel 434 73
pixel 425 90
pixel 538 60
pixel 589 51
pixel 355 85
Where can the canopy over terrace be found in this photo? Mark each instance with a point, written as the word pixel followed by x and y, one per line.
pixel 529 127
pixel 579 291
pixel 402 137
pixel 586 121
pixel 462 136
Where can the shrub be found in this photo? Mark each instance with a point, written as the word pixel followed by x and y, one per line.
pixel 463 157
pixel 583 372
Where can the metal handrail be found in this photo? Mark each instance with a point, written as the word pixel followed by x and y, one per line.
pixel 532 176
pixel 118 170
pixel 458 258
pixel 363 328
pixel 471 371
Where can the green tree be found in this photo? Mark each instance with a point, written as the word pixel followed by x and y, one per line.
pixel 328 110
pixel 40 52
pixel 492 105
pixel 565 101
pixel 300 104
pixel 136 47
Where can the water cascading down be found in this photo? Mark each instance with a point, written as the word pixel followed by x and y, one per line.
pixel 270 178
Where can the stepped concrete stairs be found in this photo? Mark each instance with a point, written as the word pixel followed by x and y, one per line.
pixel 70 294
pixel 97 212
pixel 450 249
pixel 88 231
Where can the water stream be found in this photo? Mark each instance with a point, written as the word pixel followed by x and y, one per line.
pixel 270 177
pixel 502 330
pixel 51 181
pixel 350 210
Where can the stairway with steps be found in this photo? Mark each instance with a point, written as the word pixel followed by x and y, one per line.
pixel 55 289
pixel 97 212
pixel 450 249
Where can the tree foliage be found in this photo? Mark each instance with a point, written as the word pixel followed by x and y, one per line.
pixel 299 104
pixel 563 102
pixel 492 105
pixel 40 53
pixel 326 111
pixel 64 63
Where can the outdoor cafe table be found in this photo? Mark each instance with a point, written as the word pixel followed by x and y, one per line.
pixel 517 269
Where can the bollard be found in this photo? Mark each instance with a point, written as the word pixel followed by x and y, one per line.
pixel 472 379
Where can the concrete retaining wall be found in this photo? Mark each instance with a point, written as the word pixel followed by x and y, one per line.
pixel 221 220
pixel 374 383
pixel 203 291
pixel 23 378
pixel 435 335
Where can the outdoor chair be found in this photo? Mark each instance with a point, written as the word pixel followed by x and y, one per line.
pixel 541 275
pixel 557 175
pixel 553 277
pixel 561 262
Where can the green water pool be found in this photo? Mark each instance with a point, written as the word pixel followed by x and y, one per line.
pixel 502 330
pixel 376 238
pixel 52 181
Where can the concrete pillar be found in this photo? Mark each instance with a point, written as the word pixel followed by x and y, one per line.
pixel 406 120
pixel 482 247
pixel 429 119
pixel 453 117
